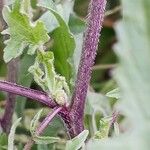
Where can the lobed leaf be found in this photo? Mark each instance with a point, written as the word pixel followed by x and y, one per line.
pixel 23 33
pixel 46 77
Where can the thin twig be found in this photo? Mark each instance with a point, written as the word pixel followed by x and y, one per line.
pixel 113 11
pixel 47 120
pixel 104 66
pixel 10 102
pixel 43 126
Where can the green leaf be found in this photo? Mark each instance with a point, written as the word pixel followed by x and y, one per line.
pixel 97 103
pixel 47 4
pixel 24 79
pixel 42 147
pixel 35 122
pixel 11 136
pixel 77 142
pixel 63 8
pixel 63 47
pixel 3 141
pixel 45 139
pixel 26 8
pixel 46 77
pixel 40 139
pixel 78 50
pixel 76 25
pixel 22 32
pixel 51 23
pixel 115 93
pixel 104 127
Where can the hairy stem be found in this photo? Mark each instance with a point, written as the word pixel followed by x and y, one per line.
pixel 43 126
pixel 47 120
pixel 10 103
pixel 92 33
pixel 39 96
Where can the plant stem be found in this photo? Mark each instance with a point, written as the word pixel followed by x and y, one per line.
pixel 10 103
pixel 92 33
pixel 39 96
pixel 47 120
pixel 43 126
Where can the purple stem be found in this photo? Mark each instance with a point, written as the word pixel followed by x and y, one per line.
pixel 47 120
pixel 92 33
pixel 114 117
pixel 43 126
pixel 10 103
pixel 39 96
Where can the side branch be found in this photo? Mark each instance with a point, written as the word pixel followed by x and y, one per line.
pixel 43 126
pixel 36 95
pixel 92 33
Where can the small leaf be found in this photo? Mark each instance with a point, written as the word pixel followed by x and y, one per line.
pixel 46 77
pixel 63 8
pixel 76 25
pixel 51 23
pixel 77 142
pixel 34 122
pixel 11 136
pixel 22 32
pixel 40 139
pixel 114 93
pixel 45 139
pixel 97 102
pixel 103 128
